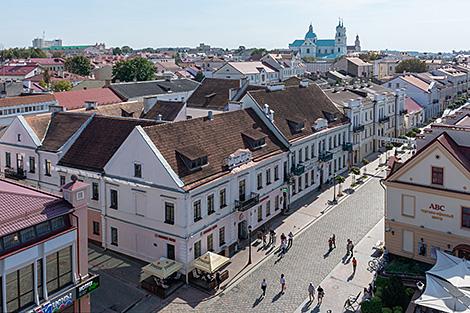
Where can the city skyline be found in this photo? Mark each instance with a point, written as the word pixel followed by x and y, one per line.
pixel 247 23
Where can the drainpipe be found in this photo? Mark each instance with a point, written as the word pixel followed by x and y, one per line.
pixel 396 115
pixel 374 125
pixel 77 238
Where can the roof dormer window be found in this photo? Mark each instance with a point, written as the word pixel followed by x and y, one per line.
pixel 254 139
pixel 193 157
pixel 296 126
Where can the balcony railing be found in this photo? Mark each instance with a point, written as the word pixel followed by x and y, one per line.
pixel 347 146
pixel 358 128
pixel 384 119
pixel 325 156
pixel 15 174
pixel 247 203
pixel 298 169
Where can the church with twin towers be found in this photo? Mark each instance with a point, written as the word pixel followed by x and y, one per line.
pixel 325 49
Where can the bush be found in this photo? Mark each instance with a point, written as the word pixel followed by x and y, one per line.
pixel 410 134
pixel 394 293
pixel 387 310
pixel 389 146
pixel 397 309
pixel 409 292
pixel 372 306
pixel 416 130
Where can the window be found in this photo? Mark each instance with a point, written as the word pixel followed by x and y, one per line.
pixel 58 269
pixel 408 205
pixel 300 156
pixel 221 236
pixel 259 180
pixel 170 251
pixel 58 223
pixel 114 199
pixel 306 180
pixel 170 213
pixel 300 183
pixel 268 176
pixel 306 153
pixel 408 239
pixel 27 234
pixel 138 170
pixel 20 289
pixel 276 173
pixel 268 207
pixel 437 176
pixel 95 195
pixel 32 165
pixel 210 242
pixel 222 198
pixel 114 236
pixel 210 204
pixel 62 180
pixel 465 217
pixel 48 167
pixel 312 177
pixel 260 213
pixel 241 190
pixel 312 151
pixel 197 249
pixel 197 210
pixel 96 228
pixel 8 159
pixel 276 203
pixel 19 137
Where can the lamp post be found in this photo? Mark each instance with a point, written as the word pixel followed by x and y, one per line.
pixel 249 244
pixel 334 188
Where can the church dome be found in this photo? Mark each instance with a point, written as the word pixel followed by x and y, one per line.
pixel 310 34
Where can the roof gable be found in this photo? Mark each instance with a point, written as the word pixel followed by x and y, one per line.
pixel 20 133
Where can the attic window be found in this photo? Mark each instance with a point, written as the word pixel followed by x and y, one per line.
pixel 193 157
pixel 296 126
pixel 330 117
pixel 254 139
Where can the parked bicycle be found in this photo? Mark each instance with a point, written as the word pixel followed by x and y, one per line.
pixel 376 264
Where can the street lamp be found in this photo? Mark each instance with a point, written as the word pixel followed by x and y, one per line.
pixel 249 244
pixel 334 188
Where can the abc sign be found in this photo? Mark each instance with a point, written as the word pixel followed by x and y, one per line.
pixel 437 207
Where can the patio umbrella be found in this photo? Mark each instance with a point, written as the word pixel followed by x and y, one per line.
pixel 162 268
pixel 444 261
pixel 441 295
pixel 210 262
pixel 458 275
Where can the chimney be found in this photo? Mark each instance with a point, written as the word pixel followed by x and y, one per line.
pixel 56 108
pixel 107 82
pixel 266 109
pixel 210 115
pixel 159 118
pixel 303 83
pixel 90 105
pixel 271 116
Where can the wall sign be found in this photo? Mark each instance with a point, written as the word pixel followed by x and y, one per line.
pixel 57 305
pixel 87 286
pixel 437 211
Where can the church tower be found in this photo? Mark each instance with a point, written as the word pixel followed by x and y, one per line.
pixel 357 44
pixel 340 39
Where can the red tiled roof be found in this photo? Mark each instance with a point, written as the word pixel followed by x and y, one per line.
pixel 411 105
pixel 75 99
pixel 18 70
pixel 47 61
pixel 22 207
pixel 23 100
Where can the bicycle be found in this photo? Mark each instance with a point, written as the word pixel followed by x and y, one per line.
pixel 376 264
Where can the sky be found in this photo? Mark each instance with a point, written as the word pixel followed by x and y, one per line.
pixel 412 25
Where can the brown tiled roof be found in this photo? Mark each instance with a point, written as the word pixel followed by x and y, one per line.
pixel 24 100
pixel 217 138
pixel 213 93
pixel 99 141
pixel 61 127
pixel 122 109
pixel 168 109
pixel 39 124
pixel 299 104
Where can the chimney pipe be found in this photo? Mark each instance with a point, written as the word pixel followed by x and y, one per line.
pixel 210 115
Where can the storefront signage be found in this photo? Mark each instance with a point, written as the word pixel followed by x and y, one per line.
pixel 437 211
pixel 57 305
pixel 87 286
pixel 239 157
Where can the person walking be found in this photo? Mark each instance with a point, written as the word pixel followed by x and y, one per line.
pixel 291 239
pixel 348 246
pixel 274 238
pixel 321 294
pixel 311 292
pixel 264 240
pixel 354 264
pixel 264 285
pixel 330 244
pixel 218 279
pixel 283 283
pixel 333 241
pixel 270 237
pixel 352 249
pixel 283 247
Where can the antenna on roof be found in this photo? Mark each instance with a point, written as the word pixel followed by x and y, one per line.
pixel 43 35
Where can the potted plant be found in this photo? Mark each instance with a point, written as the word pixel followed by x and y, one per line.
pixel 365 162
pixel 354 171
pixel 340 180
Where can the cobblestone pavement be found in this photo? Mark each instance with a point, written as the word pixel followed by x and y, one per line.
pixel 306 261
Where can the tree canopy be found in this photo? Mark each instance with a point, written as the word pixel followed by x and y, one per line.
pixel 22 53
pixel 79 65
pixel 136 69
pixel 411 66
pixel 258 53
pixel 199 76
pixel 61 85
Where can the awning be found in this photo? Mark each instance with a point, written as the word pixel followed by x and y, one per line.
pixel 452 269
pixel 442 296
pixel 444 261
pixel 162 268
pixel 210 262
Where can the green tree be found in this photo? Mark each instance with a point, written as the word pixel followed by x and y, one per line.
pixel 411 66
pixel 117 51
pixel 199 76
pixel 126 50
pixel 258 53
pixel 136 69
pixel 46 76
pixel 57 54
pixel 79 65
pixel 394 293
pixel 43 84
pixel 37 53
pixel 61 85
pixel 308 59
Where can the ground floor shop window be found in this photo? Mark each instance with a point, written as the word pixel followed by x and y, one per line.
pixel 20 288
pixel 59 269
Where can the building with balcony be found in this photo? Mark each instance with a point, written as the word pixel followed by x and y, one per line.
pixel 179 189
pixel 43 250
pixel 314 128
